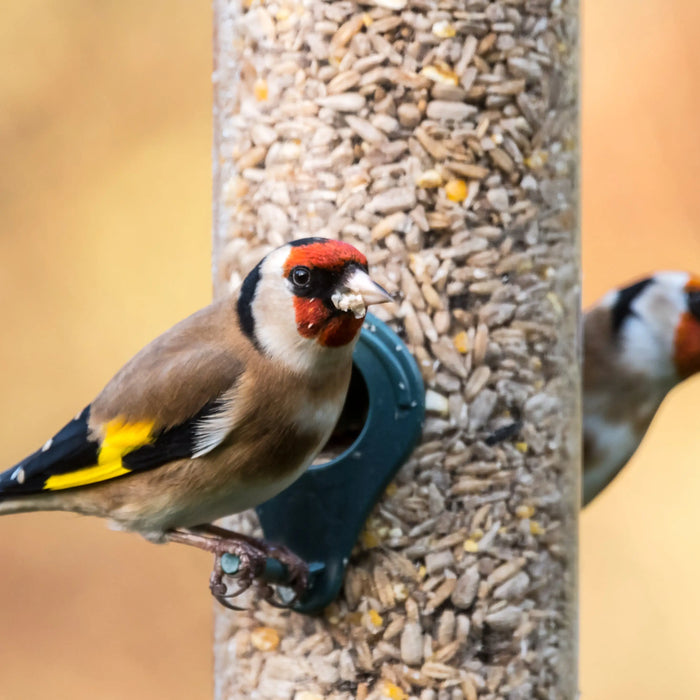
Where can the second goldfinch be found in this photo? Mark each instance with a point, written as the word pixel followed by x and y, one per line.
pixel 639 342
pixel 219 413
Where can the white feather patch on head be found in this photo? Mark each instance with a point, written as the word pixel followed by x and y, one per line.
pixel 648 334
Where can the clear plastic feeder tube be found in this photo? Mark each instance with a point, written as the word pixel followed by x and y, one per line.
pixel 441 138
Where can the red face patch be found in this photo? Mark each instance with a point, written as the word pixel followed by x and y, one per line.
pixel 687 346
pixel 328 255
pixel 313 318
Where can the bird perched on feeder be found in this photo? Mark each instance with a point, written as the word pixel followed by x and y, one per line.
pixel 639 342
pixel 218 414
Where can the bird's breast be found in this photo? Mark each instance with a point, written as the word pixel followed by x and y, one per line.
pixel 319 416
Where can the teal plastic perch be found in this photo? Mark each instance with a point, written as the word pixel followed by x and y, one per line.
pixel 320 516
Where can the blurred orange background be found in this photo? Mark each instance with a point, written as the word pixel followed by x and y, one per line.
pixel 105 188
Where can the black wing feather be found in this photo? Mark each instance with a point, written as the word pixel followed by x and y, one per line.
pixel 72 449
pixel 179 442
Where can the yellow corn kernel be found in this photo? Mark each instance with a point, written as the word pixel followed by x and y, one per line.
pixel 375 618
pixel 393 692
pixel 461 342
pixel 260 89
pixel 265 639
pixel 456 190
pixel 523 512
pixel 536 528
pixel 444 30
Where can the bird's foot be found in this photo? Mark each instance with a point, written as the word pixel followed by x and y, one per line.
pixel 291 577
pixel 275 572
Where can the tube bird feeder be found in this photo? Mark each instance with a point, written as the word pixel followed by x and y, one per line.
pixel 441 138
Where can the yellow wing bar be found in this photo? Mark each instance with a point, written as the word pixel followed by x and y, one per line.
pixel 120 438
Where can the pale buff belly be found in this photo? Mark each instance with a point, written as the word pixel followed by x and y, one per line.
pixel 165 513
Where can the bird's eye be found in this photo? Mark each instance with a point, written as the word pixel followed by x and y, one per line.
pixel 301 276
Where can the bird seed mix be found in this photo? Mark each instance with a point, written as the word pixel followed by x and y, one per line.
pixel 440 137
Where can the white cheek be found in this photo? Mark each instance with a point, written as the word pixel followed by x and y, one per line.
pixel 645 350
pixel 275 318
pixel 648 336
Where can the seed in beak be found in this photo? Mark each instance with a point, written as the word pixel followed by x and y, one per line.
pixel 357 292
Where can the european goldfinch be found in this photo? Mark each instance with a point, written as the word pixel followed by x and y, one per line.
pixel 639 342
pixel 218 414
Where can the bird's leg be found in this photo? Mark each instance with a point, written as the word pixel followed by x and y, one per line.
pixel 252 555
pixel 252 558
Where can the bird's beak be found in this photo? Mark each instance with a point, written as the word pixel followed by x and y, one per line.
pixel 358 291
pixel 359 282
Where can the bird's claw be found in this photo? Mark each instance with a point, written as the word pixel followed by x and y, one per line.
pixel 248 567
pixel 251 566
pixel 297 576
pixel 252 558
